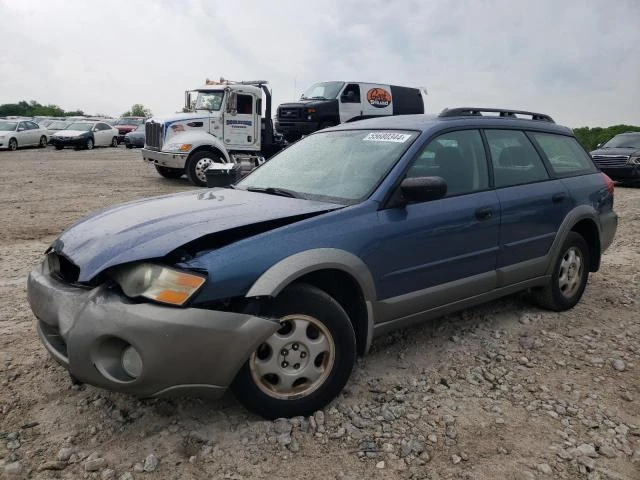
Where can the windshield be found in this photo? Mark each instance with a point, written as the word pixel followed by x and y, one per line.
pixel 624 141
pixel 80 126
pixel 57 125
pixel 326 90
pixel 7 126
pixel 129 121
pixel 140 128
pixel 343 167
pixel 211 101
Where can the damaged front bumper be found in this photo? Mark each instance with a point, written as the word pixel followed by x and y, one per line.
pixel 179 350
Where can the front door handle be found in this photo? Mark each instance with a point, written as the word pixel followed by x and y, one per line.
pixel 558 197
pixel 484 213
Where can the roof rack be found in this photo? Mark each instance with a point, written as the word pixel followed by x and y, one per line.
pixel 225 81
pixel 477 111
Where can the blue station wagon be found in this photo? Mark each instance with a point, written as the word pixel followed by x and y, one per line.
pixel 271 287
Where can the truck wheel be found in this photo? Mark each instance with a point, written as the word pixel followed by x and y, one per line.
pixel 305 364
pixel 198 165
pixel 13 145
pixel 43 142
pixel 569 276
pixel 167 172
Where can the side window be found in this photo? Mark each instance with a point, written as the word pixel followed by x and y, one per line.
pixel 565 154
pixel 103 126
pixel 515 160
pixel 457 157
pixel 245 104
pixel 22 126
pixel 32 126
pixel 351 94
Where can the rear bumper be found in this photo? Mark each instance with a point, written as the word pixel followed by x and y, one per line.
pixel 609 225
pixel 164 159
pixel 182 350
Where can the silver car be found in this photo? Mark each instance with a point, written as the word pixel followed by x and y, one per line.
pixel 21 133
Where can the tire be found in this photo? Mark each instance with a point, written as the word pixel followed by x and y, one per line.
pixel 13 144
pixel 88 145
pixel 43 142
pixel 304 311
pixel 567 285
pixel 128 145
pixel 197 165
pixel 167 172
pixel 114 142
pixel 59 147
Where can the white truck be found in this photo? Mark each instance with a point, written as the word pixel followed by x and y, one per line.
pixel 224 125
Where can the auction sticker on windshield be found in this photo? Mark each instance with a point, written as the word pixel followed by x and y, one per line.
pixel 387 137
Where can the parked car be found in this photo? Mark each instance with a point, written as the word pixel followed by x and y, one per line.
pixel 55 126
pixel 136 137
pixel 86 135
pixel 126 125
pixel 24 133
pixel 272 287
pixel 620 157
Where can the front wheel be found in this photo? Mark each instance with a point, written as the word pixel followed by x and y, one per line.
pixel 306 363
pixel 13 145
pixel 114 142
pixel 167 172
pixel 89 144
pixel 197 167
pixel 43 142
pixel 569 276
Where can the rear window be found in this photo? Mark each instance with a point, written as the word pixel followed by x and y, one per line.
pixel 565 154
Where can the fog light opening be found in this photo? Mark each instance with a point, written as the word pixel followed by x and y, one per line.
pixel 131 362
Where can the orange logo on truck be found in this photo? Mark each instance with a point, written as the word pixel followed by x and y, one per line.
pixel 379 97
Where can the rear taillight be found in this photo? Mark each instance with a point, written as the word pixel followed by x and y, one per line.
pixel 609 183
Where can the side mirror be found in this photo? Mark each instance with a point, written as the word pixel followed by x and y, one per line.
pixel 422 189
pixel 599 145
pixel 187 100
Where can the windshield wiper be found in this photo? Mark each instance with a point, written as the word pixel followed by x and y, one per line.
pixel 283 192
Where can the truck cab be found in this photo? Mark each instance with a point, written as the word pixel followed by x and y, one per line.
pixel 223 123
pixel 327 104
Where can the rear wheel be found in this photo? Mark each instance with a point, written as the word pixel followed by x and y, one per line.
pixel 306 363
pixel 167 172
pixel 13 144
pixel 43 142
pixel 114 142
pixel 128 145
pixel 569 276
pixel 197 167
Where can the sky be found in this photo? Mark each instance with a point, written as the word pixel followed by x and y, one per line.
pixel 578 61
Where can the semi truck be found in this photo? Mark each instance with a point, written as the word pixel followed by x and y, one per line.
pixel 222 123
pixel 326 104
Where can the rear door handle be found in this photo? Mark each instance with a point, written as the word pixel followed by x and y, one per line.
pixel 558 197
pixel 484 213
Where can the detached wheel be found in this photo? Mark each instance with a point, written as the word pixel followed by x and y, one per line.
pixel 167 172
pixel 569 276
pixel 43 142
pixel 197 166
pixel 114 142
pixel 13 145
pixel 89 144
pixel 305 364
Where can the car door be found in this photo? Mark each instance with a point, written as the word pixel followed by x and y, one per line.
pixel 440 251
pixel 35 132
pixel 241 125
pixel 350 102
pixel 22 135
pixel 533 204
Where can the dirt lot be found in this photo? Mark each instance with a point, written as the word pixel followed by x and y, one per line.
pixel 501 391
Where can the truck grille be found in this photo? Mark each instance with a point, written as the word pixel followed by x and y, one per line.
pixel 289 113
pixel 153 135
pixel 610 160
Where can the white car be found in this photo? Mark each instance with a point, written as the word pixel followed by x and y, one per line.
pixel 85 134
pixel 21 133
pixel 55 126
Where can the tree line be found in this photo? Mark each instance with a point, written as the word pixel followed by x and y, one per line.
pixel 590 138
pixel 35 109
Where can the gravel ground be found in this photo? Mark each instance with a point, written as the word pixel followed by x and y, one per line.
pixel 505 390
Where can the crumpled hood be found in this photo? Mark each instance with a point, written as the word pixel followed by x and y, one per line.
pixel 151 228
pixel 618 152
pixel 69 133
